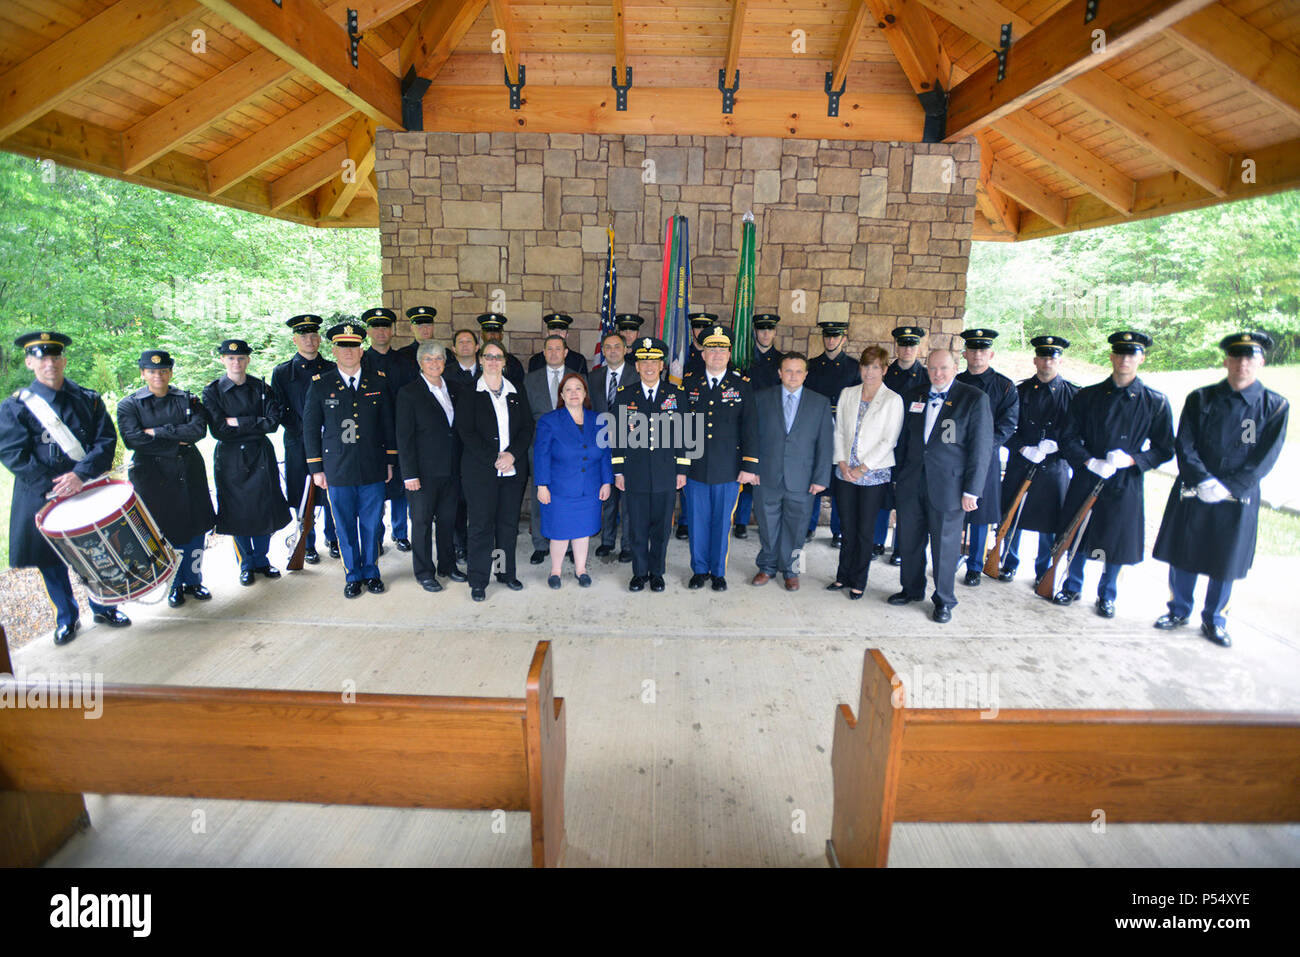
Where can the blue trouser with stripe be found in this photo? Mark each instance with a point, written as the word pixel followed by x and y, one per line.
pixel 1107 588
pixel 356 508
pixel 1011 561
pixel 1182 587
pixel 251 551
pixel 191 555
pixel 711 508
pixel 745 505
pixel 58 585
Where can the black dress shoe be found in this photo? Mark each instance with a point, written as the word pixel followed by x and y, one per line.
pixel 311 556
pixel 1106 609
pixel 835 586
pixel 456 575
pixel 1065 597
pixel 514 584
pixel 740 531
pixel 1167 621
pixel 656 582
pixel 697 581
pixel 537 557
pixel 719 584
pixel 65 633
pixel 113 618
pixel 431 584
pixel 877 550
pixel 334 550
pixel 403 544
pixel 942 614
pixel 199 592
pixel 895 559
pixel 972 578
pixel 460 553
pixel 176 597
pixel 1007 575
pixel 637 583
pixel 901 598
pixel 683 532
pixel 352 589
pixel 1210 630
pixel 604 550
pixel 625 556
pixel 247 578
pixel 268 571
pixel 375 586
pixel 836 541
pixel 478 594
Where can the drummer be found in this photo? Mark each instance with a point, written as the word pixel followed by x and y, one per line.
pixel 54 436
pixel 242 412
pixel 161 424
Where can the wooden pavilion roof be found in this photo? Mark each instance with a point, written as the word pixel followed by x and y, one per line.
pixel 256 104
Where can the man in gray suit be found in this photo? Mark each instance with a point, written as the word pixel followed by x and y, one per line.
pixel 603 382
pixel 794 441
pixel 541 387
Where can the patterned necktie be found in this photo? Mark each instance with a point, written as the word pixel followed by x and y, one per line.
pixel 937 395
pixel 613 387
pixel 789 412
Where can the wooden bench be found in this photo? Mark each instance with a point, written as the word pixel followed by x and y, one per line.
pixel 895 763
pixel 263 745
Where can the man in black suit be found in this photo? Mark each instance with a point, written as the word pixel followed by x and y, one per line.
pixel 940 465
pixel 603 384
pixel 428 452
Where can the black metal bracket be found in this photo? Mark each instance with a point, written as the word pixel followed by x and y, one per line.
pixel 414 87
pixel 728 93
pixel 935 104
pixel 833 96
pixel 1005 40
pixel 620 91
pixel 1090 11
pixel 514 87
pixel 354 36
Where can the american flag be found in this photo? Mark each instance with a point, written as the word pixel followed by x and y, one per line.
pixel 607 298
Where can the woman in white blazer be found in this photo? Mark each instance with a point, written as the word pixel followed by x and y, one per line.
pixel 868 421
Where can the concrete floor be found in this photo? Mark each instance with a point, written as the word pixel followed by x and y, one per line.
pixel 727 757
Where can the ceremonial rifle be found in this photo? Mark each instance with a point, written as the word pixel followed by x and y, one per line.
pixel 993 560
pixel 1045 586
pixel 306 523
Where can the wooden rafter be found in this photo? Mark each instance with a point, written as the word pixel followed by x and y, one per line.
pixel 371 13
pixel 914 42
pixel 265 146
pixel 999 209
pixel 299 182
pixel 333 199
pixel 734 37
pixel 1054 52
pixel 850 36
pixel 505 22
pixel 620 41
pixel 437 31
pixel 302 33
pixel 1028 193
pixel 1088 170
pixel 982 19
pixel 165 129
pixel 79 58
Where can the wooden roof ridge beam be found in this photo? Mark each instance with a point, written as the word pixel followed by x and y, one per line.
pixel 999 209
pixel 735 35
pixel 59 71
pixel 850 37
pixel 1028 193
pixel 1270 69
pixel 620 41
pixel 1090 171
pixel 302 33
pixel 333 199
pixel 505 21
pixel 914 42
pixel 272 141
pixel 437 31
pixel 165 129
pixel 1054 52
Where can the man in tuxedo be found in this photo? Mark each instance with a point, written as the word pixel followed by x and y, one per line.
pixel 604 383
pixel 794 445
pixel 940 466
pixel 542 388
pixel 428 452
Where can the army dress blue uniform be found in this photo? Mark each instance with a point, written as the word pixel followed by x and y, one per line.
pixel 904 382
pixel 398 368
pixel 830 377
pixel 764 373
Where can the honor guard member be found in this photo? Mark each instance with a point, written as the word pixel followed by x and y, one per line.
pixel 421 320
pixel 764 373
pixel 1045 399
pixel 161 424
pixel 1229 437
pixel 830 374
pixel 493 325
pixel 557 324
pixel 1114 431
pixel 1004 403
pixel 724 402
pixel 347 426
pixel 649 465
pixel 398 371
pixel 54 436
pixel 905 375
pixel 701 323
pixel 289 382
pixel 242 411
pixel 627 324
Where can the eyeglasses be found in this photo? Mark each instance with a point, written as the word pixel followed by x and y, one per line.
pixel 494 358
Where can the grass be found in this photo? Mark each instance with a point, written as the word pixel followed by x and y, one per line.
pixel 1279 532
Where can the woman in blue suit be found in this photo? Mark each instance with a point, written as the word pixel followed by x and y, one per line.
pixel 573 474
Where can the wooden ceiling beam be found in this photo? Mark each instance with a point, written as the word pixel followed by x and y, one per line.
pixel 436 33
pixel 1028 193
pixel 165 129
pixel 914 42
pixel 505 22
pixel 982 19
pixel 735 36
pixel 333 198
pixel 1000 209
pixel 1088 170
pixel 620 41
pixel 371 13
pixel 1270 69
pixel 850 37
pixel 1054 52
pixel 983 232
pixel 363 213
pixel 305 179
pixel 78 59
pixel 264 147
pixel 302 33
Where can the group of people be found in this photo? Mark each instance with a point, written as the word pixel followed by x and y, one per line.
pixel 453 439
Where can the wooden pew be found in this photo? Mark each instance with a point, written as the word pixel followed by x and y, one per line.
pixel 894 763
pixel 263 745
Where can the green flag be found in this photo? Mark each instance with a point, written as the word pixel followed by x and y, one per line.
pixel 742 315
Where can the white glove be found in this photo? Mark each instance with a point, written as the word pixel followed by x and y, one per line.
pixel 1119 458
pixel 1034 453
pixel 1101 468
pixel 1212 490
pixel 1048 446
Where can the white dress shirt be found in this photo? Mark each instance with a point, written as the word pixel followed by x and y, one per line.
pixel 932 408
pixel 443 396
pixel 503 415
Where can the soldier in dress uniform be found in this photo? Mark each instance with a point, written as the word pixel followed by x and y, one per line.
pixel 724 401
pixel 905 375
pixel 1045 399
pixel 348 429
pixel 242 411
pixel 1004 403
pixel 557 324
pixel 1229 437
pixel 493 325
pixel 627 324
pixel 764 373
pixel 289 382
pixel 830 374
pixel 421 319
pixel 161 424
pixel 55 436
pixel 1114 431
pixel 398 370
pixel 701 323
pixel 649 467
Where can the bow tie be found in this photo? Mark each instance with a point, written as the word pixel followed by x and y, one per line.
pixel 937 395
